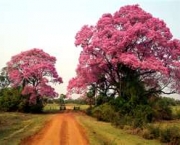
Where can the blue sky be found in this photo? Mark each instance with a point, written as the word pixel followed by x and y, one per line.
pixel 52 25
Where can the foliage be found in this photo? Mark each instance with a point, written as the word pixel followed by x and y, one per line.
pixel 4 81
pixel 33 70
pixel 102 98
pixel 166 134
pixel 151 132
pixel 142 114
pixel 132 113
pixel 61 99
pixel 75 101
pixel 101 133
pixel 90 96
pixel 127 112
pixel 169 101
pixel 138 117
pixel 103 112
pixel 162 110
pixel 178 102
pixel 129 53
pixel 132 57
pixel 170 135
pixel 10 98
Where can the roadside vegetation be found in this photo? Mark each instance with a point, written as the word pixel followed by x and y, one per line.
pixel 164 125
pixel 103 133
pixel 16 126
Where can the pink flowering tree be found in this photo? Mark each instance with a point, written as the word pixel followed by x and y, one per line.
pixel 34 71
pixel 130 53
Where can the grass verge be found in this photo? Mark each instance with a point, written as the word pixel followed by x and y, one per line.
pixel 16 126
pixel 101 133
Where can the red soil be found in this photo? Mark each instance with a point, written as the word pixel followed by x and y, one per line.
pixel 63 129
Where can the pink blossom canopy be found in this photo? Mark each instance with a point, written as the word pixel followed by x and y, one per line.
pixel 34 70
pixel 130 38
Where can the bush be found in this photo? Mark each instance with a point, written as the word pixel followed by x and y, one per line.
pixel 147 134
pixel 9 99
pixel 12 100
pixel 170 135
pixel 89 111
pixel 104 112
pixel 154 130
pixel 141 115
pixel 162 110
pixel 151 132
pixel 27 107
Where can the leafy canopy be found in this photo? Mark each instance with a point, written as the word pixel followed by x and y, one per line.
pixel 33 70
pixel 127 50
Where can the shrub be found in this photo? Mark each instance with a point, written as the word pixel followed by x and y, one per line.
pixel 154 130
pixel 162 110
pixel 170 135
pixel 141 115
pixel 122 120
pixel 104 112
pixel 151 132
pixel 26 106
pixel 89 111
pixel 147 134
pixel 165 135
pixel 12 100
pixel 9 99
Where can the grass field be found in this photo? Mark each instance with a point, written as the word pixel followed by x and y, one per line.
pixel 50 108
pixel 71 106
pixel 15 126
pixel 55 107
pixel 101 133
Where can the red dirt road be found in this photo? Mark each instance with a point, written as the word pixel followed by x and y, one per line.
pixel 63 129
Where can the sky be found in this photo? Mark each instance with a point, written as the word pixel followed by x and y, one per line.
pixel 51 25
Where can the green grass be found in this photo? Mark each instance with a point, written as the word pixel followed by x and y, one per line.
pixel 101 133
pixel 82 107
pixel 16 126
pixel 50 108
pixel 54 107
pixel 171 123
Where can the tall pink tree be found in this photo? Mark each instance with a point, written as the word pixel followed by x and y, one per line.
pixel 129 49
pixel 34 70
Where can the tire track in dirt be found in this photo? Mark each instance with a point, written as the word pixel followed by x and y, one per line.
pixel 63 129
pixel 63 133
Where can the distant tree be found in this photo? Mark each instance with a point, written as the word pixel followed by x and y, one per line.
pixel 4 81
pixel 130 52
pixel 33 70
pixel 62 96
pixel 61 99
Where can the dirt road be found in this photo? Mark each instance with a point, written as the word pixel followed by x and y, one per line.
pixel 63 129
